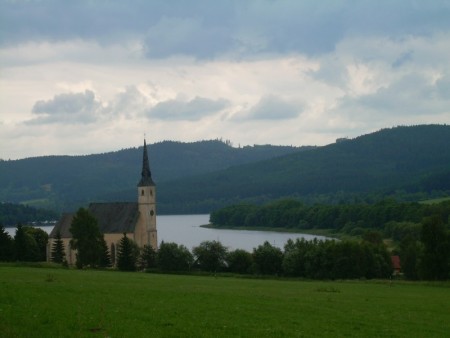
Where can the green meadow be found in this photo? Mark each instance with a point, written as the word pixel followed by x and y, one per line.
pixel 47 302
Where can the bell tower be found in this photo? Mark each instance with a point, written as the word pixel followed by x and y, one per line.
pixel 145 231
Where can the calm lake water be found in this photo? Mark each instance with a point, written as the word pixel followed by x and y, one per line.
pixel 186 230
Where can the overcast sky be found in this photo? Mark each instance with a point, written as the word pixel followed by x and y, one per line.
pixel 82 77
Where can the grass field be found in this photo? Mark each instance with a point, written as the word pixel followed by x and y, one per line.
pixel 45 302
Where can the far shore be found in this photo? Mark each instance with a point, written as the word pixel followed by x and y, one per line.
pixel 330 233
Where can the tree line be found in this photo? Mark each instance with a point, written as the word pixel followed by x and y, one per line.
pixel 424 257
pixel 420 232
pixel 388 216
pixel 12 214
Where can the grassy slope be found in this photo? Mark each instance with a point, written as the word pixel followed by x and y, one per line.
pixel 57 302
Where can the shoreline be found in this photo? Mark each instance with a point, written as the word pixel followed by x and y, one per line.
pixel 330 233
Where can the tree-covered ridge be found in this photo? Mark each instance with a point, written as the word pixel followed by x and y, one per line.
pixel 68 182
pixel 12 214
pixel 408 163
pixel 404 162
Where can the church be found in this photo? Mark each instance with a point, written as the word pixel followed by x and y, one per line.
pixel 136 219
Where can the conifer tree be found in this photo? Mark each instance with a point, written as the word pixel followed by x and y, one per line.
pixel 57 254
pixel 126 259
pixel 147 258
pixel 105 258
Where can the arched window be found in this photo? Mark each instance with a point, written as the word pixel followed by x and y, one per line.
pixel 142 192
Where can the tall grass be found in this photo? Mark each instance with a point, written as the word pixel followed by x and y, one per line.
pixel 84 303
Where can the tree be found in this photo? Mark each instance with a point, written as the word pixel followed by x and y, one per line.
pixel 435 259
pixel 41 238
pixel 268 259
pixel 239 261
pixel 147 258
pixel 105 257
pixel 25 246
pixel 410 251
pixel 6 245
pixel 126 258
pixel 86 239
pixel 174 257
pixel 57 254
pixel 210 255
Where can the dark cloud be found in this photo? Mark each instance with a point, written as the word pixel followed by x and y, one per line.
pixel 191 110
pixel 188 36
pixel 271 107
pixel 402 59
pixel 73 108
pixel 205 29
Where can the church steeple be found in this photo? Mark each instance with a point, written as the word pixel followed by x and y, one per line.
pixel 146 175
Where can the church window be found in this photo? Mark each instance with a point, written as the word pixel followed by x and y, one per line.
pixel 142 192
pixel 151 192
pixel 152 212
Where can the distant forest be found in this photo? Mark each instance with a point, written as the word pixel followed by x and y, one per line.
pixel 65 183
pixel 405 163
pixel 392 219
pixel 13 214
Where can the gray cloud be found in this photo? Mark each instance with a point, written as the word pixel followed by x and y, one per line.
pixel 191 110
pixel 190 36
pixel 411 95
pixel 205 29
pixel 402 59
pixel 71 108
pixel 271 107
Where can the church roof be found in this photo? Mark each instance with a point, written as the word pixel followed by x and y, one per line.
pixel 115 217
pixel 146 175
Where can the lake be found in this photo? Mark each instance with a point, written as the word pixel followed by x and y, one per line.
pixel 187 230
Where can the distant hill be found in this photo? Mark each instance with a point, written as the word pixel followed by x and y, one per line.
pixel 409 162
pixel 67 182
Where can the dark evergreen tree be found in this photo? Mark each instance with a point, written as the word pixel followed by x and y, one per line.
pixel 6 245
pixel 57 254
pixel 105 257
pixel 147 258
pixel 126 257
pixel 86 239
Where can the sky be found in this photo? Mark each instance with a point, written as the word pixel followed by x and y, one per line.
pixel 83 77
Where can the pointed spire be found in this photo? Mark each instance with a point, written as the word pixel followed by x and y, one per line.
pixel 146 175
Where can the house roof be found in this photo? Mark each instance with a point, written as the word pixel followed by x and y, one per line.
pixel 63 226
pixel 116 217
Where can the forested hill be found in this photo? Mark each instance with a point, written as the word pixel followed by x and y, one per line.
pixel 67 182
pixel 412 162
